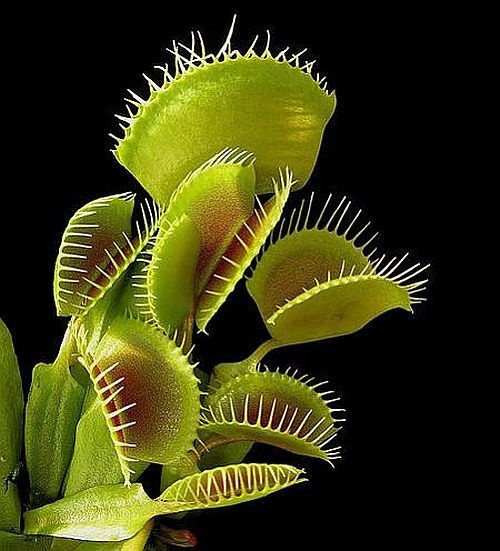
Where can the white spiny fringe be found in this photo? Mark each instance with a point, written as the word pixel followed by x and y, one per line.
pixel 187 59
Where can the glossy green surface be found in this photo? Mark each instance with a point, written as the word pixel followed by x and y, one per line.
pixel 11 431
pixel 266 106
pixel 52 413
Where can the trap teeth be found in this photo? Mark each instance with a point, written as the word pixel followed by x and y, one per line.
pixel 261 92
pixel 98 245
pixel 337 288
pixel 151 418
pixel 273 408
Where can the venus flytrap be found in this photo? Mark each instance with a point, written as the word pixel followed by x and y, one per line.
pixel 337 285
pixel 139 279
pixel 242 249
pixel 336 288
pixel 99 243
pixel 274 408
pixel 274 105
pixel 127 508
pixel 141 377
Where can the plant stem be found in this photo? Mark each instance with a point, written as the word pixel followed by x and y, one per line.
pixel 225 371
pixel 256 357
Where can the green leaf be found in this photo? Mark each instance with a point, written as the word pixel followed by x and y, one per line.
pixel 148 393
pixel 137 543
pixel 276 409
pixel 11 430
pixel 229 485
pixel 316 283
pixel 22 542
pixel 52 412
pixel 97 247
pixel 103 513
pixel 116 513
pixel 94 461
pixel 270 105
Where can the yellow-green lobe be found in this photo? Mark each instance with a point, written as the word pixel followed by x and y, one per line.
pixel 148 392
pixel 171 275
pixel 266 106
pixel 272 408
pixel 296 261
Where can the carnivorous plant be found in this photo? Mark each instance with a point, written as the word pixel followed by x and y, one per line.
pixel 220 144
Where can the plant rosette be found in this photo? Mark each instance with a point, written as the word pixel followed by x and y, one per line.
pixel 220 145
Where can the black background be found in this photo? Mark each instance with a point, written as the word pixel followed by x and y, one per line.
pixel 68 73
